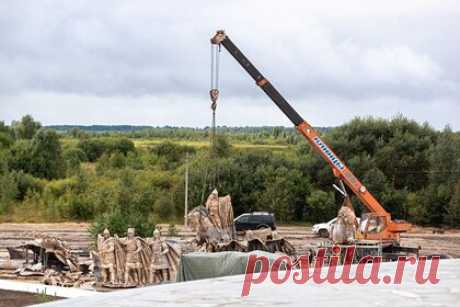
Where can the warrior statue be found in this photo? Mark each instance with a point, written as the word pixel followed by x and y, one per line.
pixel 133 261
pixel 213 223
pixel 212 204
pixel 226 217
pixel 203 226
pixel 159 266
pixel 132 247
pixel 343 231
pixel 106 252
pixel 220 213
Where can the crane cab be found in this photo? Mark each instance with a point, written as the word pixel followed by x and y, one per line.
pixel 380 227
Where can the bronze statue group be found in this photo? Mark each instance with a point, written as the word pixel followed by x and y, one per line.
pixel 134 261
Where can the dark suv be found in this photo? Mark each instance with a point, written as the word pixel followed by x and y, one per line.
pixel 255 220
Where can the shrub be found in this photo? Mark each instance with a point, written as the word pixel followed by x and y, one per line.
pixel 46 155
pixel 123 146
pixel 117 160
pixel 322 205
pixel 453 209
pixel 58 188
pixel 221 147
pixel 27 183
pixel 93 148
pixel 164 207
pixel 119 223
pixel 5 140
pixel 171 154
pixel 8 191
pixel 80 208
pixel 73 157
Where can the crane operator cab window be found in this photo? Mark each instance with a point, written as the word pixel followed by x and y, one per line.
pixel 372 223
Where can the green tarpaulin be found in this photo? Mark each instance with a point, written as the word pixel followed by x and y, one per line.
pixel 209 265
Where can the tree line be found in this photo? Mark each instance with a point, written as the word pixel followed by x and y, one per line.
pixel 45 175
pixel 255 135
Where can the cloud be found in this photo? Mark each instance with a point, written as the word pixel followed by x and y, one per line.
pixel 361 53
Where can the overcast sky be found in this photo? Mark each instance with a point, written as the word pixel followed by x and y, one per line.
pixel 148 62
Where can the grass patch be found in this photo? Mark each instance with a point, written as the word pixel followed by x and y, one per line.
pixel 203 144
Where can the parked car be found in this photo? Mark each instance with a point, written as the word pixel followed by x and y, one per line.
pixel 255 220
pixel 324 229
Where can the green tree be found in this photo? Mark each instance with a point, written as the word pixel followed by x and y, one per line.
pixel 8 187
pixel 73 157
pixel 6 136
pixel 278 194
pixel 20 158
pixel 404 160
pixel 26 183
pixel 416 209
pixel 46 155
pixel 391 199
pixel 123 146
pixel 444 172
pixel 453 210
pixel 322 205
pixel 93 148
pixel 80 208
pixel 221 147
pixel 171 154
pixel 26 128
pixel 164 207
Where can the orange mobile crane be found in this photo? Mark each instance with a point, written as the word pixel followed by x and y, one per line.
pixel 388 230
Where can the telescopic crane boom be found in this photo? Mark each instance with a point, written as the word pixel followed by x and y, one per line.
pixel 391 229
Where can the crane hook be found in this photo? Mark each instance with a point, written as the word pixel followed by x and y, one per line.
pixel 214 94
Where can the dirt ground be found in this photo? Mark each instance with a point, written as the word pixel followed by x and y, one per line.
pixel 77 237
pixel 447 243
pixel 17 299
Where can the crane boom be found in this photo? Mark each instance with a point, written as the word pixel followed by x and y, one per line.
pixel 339 168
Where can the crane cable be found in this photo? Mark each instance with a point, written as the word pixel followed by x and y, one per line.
pixel 214 86
pixel 214 95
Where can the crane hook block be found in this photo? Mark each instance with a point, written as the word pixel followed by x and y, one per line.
pixel 214 94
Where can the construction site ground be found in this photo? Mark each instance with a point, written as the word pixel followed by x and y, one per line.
pixel 78 238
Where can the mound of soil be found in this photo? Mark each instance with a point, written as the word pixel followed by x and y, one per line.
pixel 16 299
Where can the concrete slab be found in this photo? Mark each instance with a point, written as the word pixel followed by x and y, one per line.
pixel 40 288
pixel 226 291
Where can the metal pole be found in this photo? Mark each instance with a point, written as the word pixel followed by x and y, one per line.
pixel 186 191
